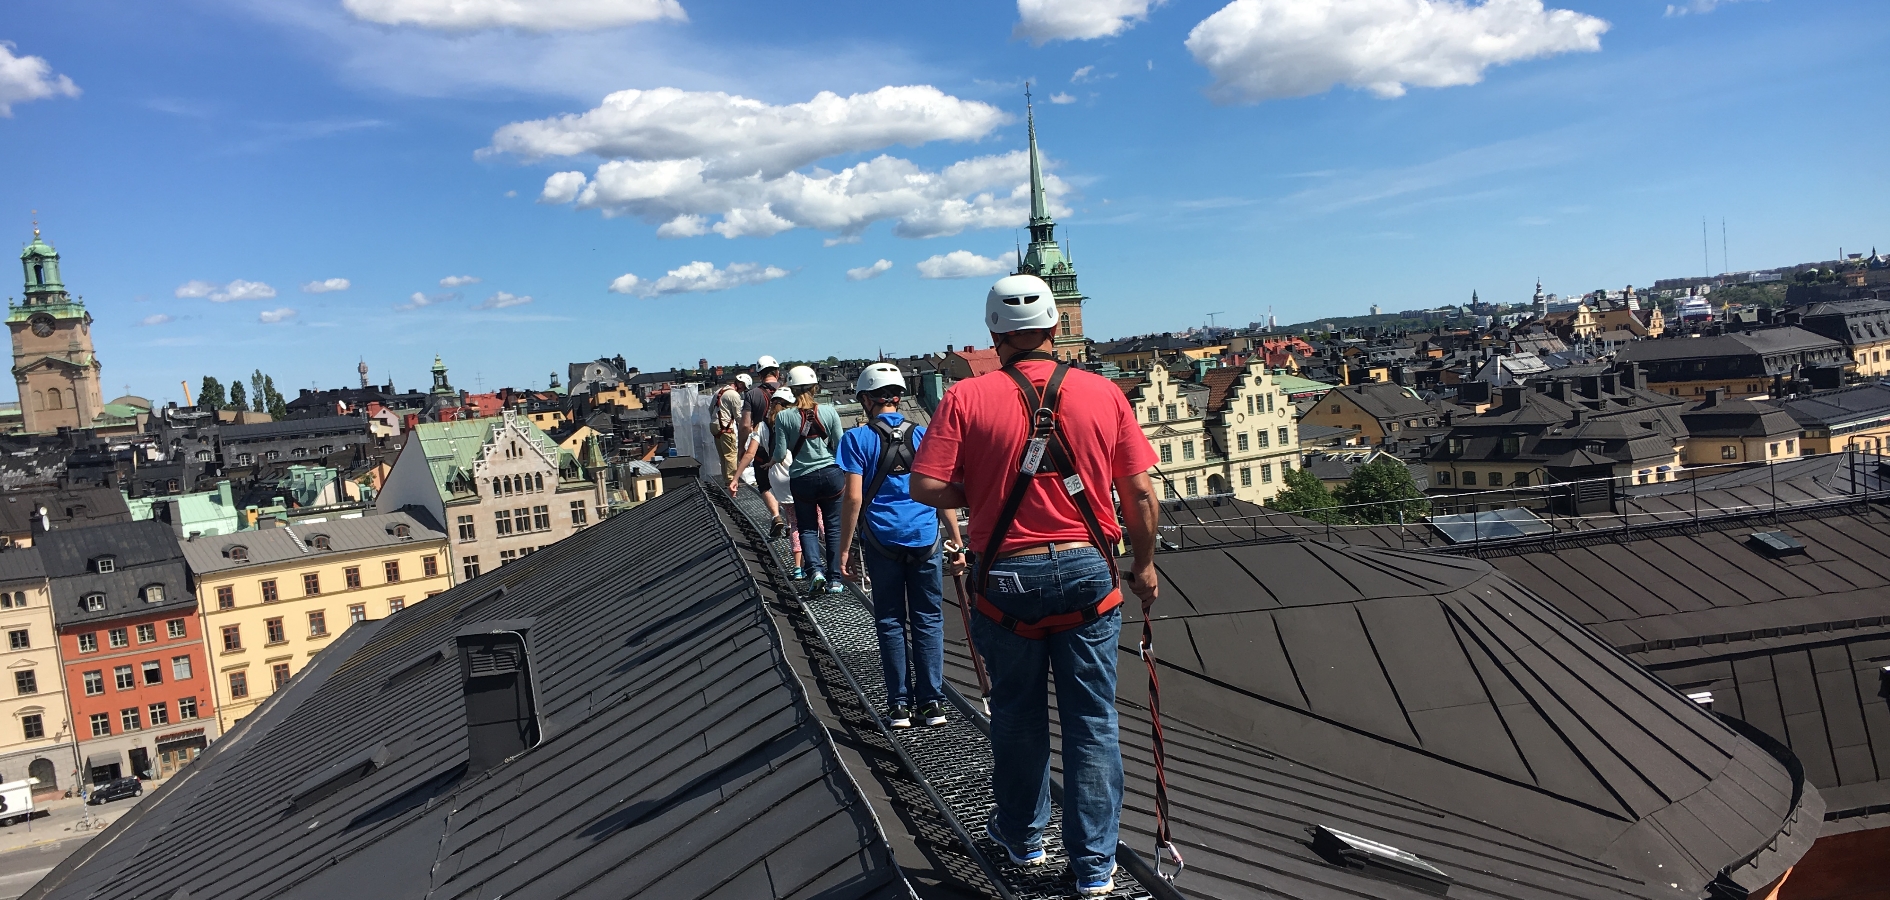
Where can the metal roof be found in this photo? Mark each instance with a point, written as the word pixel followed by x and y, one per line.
pixel 268 546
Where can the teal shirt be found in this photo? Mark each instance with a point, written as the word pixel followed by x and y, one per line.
pixel 816 453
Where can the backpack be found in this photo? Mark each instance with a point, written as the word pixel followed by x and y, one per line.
pixel 811 427
pixel 895 458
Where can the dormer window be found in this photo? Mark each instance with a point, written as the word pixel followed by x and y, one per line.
pixel 402 530
pixel 93 602
pixel 239 553
pixel 105 565
pixel 319 542
pixel 153 593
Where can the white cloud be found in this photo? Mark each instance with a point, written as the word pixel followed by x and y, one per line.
pixel 873 271
pixel 274 316
pixel 453 281
pixel 842 239
pixel 159 319
pixel 1081 75
pixel 1061 98
pixel 326 285
pixel 961 264
pixel 1041 21
pixel 24 79
pixel 419 300
pixel 1696 7
pixel 681 159
pixel 525 15
pixel 225 293
pixel 501 300
pixel 1264 49
pixel 697 278
pixel 511 193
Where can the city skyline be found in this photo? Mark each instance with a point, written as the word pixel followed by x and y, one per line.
pixel 297 186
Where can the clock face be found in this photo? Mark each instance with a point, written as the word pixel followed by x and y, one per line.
pixel 43 326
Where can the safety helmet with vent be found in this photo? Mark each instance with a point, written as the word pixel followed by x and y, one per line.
pixel 879 376
pixel 802 376
pixel 783 395
pixel 745 381
pixel 1019 303
pixel 765 363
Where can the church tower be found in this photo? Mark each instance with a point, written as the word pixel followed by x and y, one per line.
pixel 53 364
pixel 1046 259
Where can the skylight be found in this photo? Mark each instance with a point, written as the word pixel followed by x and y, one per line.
pixel 1775 543
pixel 1494 524
pixel 1378 860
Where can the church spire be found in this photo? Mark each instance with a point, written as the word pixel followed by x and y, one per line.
pixel 1039 204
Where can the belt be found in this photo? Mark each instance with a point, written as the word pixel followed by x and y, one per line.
pixel 1046 549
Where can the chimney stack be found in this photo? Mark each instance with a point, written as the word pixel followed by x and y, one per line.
pixel 1713 397
pixel 496 681
pixel 1513 396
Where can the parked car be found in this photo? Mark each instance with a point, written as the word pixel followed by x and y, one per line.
pixel 116 789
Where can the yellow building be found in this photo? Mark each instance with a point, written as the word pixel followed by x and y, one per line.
pixel 272 598
pixel 1145 353
pixel 1231 433
pixel 36 739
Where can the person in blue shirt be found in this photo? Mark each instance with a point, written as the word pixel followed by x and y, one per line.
pixel 899 544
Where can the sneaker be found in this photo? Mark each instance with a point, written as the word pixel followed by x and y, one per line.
pixel 1096 887
pixel 899 716
pixel 796 574
pixel 836 586
pixel 818 584
pixel 778 530
pixel 1030 857
pixel 933 713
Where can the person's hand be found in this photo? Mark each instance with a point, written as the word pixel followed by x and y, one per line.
pixel 954 560
pixel 846 566
pixel 1142 582
pixel 734 486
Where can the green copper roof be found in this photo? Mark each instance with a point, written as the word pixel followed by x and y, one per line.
pixel 1039 204
pixel 38 248
pixel 452 448
pixel 1293 384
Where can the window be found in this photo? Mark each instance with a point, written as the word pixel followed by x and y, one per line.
pixel 1728 451
pixel 1246 476
pixel 1187 449
pixel 117 637
pixel 153 593
pixel 541 518
pixel 1194 486
pixel 101 724
pixel 88 642
pixel 392 570
pixel 1791 446
pixel 153 672
pixel 1240 441
pixel 1154 414
pixel 1250 404
pixel 357 612
pixel 1512 445
pixel 311 583
pixel 123 679
pixel 1168 490
pixel 239 685
pixel 317 623
pixel 1266 472
pixel 19 640
pixel 244 459
pixel 1496 479
pixel 1171 412
pixel 1335 407
pixel 160 713
pixel 395 604
pixel 319 542
pixel 232 638
pixel 25 682
pixel 269 590
pixel 1269 403
pixel 176 628
pixel 94 683
pixel 94 602
pixel 402 530
pixel 1168 453
pixel 351 576
pixel 1286 437
pixel 507 556
pixel 1264 443
pixel 147 633
pixel 32 726
pixel 502 521
pixel 279 674
pixel 1469 479
pixel 1773 449
pixel 466 532
pixel 430 566
pixel 579 517
pixel 180 668
pixel 1286 465
pixel 1521 479
pixel 470 566
pixel 105 565
pixel 273 632
pixel 226 597
pixel 522 519
pixel 1443 478
pixel 186 708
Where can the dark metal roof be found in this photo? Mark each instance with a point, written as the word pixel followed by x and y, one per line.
pixel 289 428
pixel 143 554
pixel 65 508
pixel 679 756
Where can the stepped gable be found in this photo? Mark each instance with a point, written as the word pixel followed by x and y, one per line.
pixel 678 755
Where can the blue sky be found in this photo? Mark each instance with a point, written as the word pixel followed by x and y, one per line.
pixel 190 158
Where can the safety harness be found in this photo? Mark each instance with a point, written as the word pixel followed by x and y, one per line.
pixel 895 458
pixel 1046 445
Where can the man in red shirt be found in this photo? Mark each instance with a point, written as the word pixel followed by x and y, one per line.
pixel 1045 572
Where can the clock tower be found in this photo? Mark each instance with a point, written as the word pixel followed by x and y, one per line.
pixel 52 348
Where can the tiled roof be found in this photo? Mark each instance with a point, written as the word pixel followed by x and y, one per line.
pixel 1830 409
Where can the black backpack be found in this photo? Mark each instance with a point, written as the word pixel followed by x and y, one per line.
pixel 895 458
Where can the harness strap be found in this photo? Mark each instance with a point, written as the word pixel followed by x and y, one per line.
pixel 1164 841
pixel 1049 625
pixel 894 453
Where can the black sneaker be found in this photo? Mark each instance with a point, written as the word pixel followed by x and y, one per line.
pixel 933 713
pixel 900 716
pixel 778 531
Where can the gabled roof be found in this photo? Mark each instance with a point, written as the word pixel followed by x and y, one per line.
pixel 1757 342
pixel 143 554
pixel 1220 386
pixel 1834 409
pixel 980 361
pixel 268 546
pixel 1386 402
pixel 452 448
pixel 283 429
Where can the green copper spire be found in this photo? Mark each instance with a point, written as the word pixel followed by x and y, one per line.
pixel 1039 204
pixel 41 264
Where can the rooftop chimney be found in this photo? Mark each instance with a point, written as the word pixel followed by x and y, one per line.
pixel 1610 383
pixel 1591 386
pixel 496 681
pixel 1713 397
pixel 1513 396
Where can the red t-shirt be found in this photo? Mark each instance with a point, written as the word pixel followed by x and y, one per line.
pixel 977 439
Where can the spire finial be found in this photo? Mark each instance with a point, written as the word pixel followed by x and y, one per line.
pixel 1039 203
pixel 36 224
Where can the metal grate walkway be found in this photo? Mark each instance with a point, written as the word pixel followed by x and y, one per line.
pixel 952 761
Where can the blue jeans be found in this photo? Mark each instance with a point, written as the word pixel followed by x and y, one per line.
pixel 1084 662
pixel 909 597
pixel 816 504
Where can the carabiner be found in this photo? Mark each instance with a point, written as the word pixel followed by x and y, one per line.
pixel 1175 853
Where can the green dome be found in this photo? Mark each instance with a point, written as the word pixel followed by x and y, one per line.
pixel 38 248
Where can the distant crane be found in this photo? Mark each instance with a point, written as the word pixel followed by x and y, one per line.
pixel 1212 315
pixel 186 385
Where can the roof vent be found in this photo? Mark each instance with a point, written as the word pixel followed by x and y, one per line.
pixel 338 776
pixel 496 680
pixel 1376 860
pixel 1775 543
pixel 1703 698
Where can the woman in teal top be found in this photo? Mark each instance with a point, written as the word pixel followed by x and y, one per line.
pixel 806 435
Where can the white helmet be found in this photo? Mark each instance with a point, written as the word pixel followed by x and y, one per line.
pixel 801 376
pixel 746 381
pixel 1018 303
pixel 765 363
pixel 784 395
pixel 878 376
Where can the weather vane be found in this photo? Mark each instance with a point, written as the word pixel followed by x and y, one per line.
pixel 36 223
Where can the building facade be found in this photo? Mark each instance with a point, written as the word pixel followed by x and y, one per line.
pixel 272 598
pixel 1046 259
pixel 1379 412
pixel 53 363
pixel 35 724
pixel 1851 418
pixel 1251 419
pixel 132 649
pixel 1863 326
pixel 1747 365
pixel 306 439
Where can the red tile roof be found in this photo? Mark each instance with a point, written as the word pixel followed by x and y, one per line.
pixel 981 362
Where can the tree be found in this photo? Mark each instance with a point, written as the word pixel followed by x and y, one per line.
pixel 1386 485
pixel 1305 495
pixel 258 398
pixel 277 407
pixel 210 396
pixel 239 401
